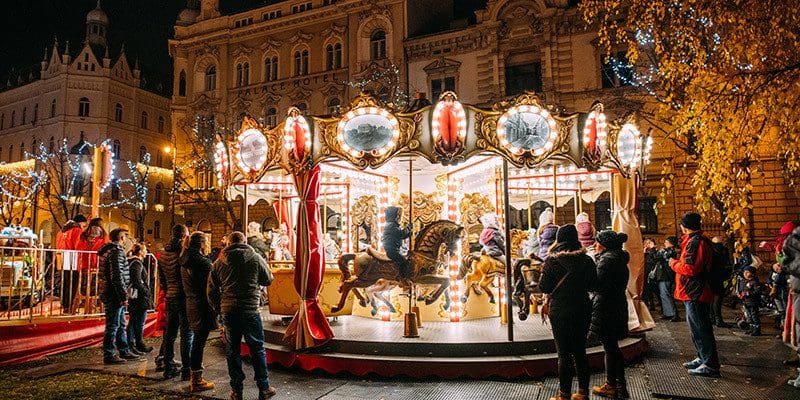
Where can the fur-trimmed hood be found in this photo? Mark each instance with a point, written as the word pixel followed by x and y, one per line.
pixel 568 253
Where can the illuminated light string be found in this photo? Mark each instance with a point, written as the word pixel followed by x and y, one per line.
pixel 598 120
pixel 28 181
pixel 459 114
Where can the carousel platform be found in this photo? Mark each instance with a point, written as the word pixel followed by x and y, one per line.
pixel 476 349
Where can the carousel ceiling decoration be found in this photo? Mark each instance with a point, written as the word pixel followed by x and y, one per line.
pixel 595 136
pixel 222 163
pixel 448 127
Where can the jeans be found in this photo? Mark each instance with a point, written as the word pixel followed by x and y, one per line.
pixel 176 318
pixel 699 320
pixel 245 325
pixel 752 317
pixel 615 364
pixel 570 332
pixel 115 331
pixel 135 331
pixel 198 345
pixel 667 302
pixel 69 287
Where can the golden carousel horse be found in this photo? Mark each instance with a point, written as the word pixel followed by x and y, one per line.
pixel 374 272
pixel 479 271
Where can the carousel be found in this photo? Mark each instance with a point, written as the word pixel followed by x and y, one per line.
pixel 382 259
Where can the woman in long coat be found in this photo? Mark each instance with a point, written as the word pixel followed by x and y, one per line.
pixel 610 309
pixel 567 277
pixel 195 267
pixel 139 299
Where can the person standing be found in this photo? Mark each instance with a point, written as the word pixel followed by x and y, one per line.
pixel 650 263
pixel 234 288
pixel 749 290
pixel 68 240
pixel 113 281
pixel 718 278
pixel 195 266
pixel 256 240
pixel 172 284
pixel 567 277
pixel 665 279
pixel 791 264
pixel 139 299
pixel 610 310
pixel 692 287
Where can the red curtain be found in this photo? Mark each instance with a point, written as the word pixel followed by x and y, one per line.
pixel 309 328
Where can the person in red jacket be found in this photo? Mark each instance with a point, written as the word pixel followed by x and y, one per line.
pixel 68 239
pixel 692 287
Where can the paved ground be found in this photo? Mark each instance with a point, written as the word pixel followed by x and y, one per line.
pixel 752 369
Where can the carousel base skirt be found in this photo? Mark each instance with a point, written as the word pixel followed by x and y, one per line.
pixel 475 349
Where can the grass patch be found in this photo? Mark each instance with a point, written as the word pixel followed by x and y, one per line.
pixel 79 385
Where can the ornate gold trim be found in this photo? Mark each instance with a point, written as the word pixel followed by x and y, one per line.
pixel 614 128
pixel 364 211
pixel 427 209
pixel 273 156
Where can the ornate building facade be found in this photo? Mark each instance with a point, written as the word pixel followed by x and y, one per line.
pixel 93 97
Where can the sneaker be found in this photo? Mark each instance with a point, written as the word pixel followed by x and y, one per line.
pixel 607 390
pixel 129 356
pixel 133 351
pixel 264 394
pixel 693 364
pixel 144 349
pixel 704 371
pixel 115 360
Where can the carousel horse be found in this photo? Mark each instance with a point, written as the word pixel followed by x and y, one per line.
pixel 479 271
pixel 374 272
pixel 527 272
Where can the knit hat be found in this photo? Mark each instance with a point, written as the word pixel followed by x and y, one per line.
pixel 582 217
pixel 489 220
pixel 611 240
pixel 749 268
pixel 673 240
pixel 80 218
pixel 546 217
pixel 567 234
pixel 692 221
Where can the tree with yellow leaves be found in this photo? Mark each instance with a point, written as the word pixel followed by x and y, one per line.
pixel 725 79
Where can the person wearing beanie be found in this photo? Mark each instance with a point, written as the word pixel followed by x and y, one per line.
pixel 547 232
pixel 491 240
pixel 610 310
pixel 171 283
pixel 692 287
pixel 568 274
pixel 585 229
pixel 664 278
pixel 749 290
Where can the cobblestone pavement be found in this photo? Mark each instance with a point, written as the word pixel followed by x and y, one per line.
pixel 752 369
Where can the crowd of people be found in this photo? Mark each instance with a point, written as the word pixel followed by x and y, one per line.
pixel 198 290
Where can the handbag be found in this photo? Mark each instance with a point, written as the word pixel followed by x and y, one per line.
pixel 546 305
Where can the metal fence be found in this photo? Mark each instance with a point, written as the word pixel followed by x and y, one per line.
pixel 36 282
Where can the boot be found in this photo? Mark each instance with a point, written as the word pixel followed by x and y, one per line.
pixel 264 394
pixel 236 395
pixel 198 384
pixel 171 372
pixel 560 396
pixel 607 390
pixel 186 374
pixel 582 394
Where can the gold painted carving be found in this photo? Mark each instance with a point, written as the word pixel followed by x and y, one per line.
pixel 427 208
pixel 274 145
pixel 472 206
pixel 364 212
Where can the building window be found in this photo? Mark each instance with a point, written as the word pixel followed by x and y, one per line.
pixel 10 152
pixel 159 159
pixel 114 189
pixel 271 117
pixel 13 118
pixel 157 230
pixel 161 122
pixel 22 151
pixel 523 77
pixel 83 107
pixel 143 120
pixel 35 113
pixel 77 186
pixel 182 84
pixel 648 219
pixel 333 56
pixel 118 112
pixel 115 149
pixel 439 86
pixel 211 78
pixel 1 152
pixel 143 156
pixel 53 108
pixel 333 106
pixel 303 107
pixel 24 115
pixel 301 62
pixel 242 74
pixel 272 15
pixel 329 2
pixel 34 147
pixel 52 145
pixel 297 8
pixel 377 45
pixel 271 68
pixel 616 71
pixel 158 193
pixel 602 214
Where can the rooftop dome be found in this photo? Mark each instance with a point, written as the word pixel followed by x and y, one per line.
pixel 97 15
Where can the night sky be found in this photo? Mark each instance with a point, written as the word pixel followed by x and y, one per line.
pixel 143 25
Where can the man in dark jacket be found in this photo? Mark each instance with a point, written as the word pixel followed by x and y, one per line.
pixel 692 287
pixel 256 241
pixel 664 277
pixel 393 237
pixel 172 285
pixel 234 288
pixel 791 264
pixel 113 281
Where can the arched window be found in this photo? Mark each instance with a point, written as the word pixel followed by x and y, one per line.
pixel 52 145
pixel 157 194
pixel 83 107
pixel 305 62
pixel 333 105
pixel 182 84
pixel 143 154
pixel 1 153
pixel 143 123
pixel 35 113
pixel 10 152
pixel 13 118
pixel 297 67
pixel 35 147
pixel 53 108
pixel 211 78
pixel 159 159
pixel 24 115
pixel 329 57
pixel 157 230
pixel 377 45
pixel 114 189
pixel 301 62
pixel 160 124
pixel 115 149
pixel 22 151
pixel 2 121
pixel 271 117
pixel 118 112
pixel 271 68
pixel 243 74
pixel 337 56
